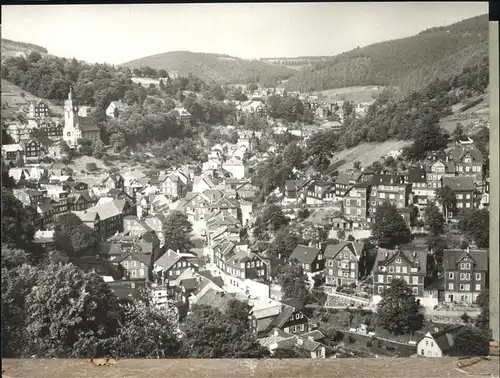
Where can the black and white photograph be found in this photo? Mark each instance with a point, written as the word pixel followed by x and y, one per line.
pixel 236 189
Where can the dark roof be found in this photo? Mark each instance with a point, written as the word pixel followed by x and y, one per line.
pixel 138 256
pixel 216 299
pixel 459 183
pixel 457 154
pixel 190 283
pixel 452 256
pixel 295 303
pixel 344 178
pixel 111 249
pixel 333 250
pixel 295 184
pixel 125 289
pixel 87 124
pixel 444 338
pixel 387 180
pixel 215 279
pixel 280 320
pixel 417 174
pixel 305 254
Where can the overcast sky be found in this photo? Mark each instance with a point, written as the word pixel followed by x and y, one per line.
pixel 119 33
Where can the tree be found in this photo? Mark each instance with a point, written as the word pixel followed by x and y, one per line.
pixel 320 149
pixel 470 341
pixel 476 224
pixel 398 310
pixel 147 331
pixel 389 228
pixel 292 279
pixel 176 230
pixel 18 222
pixel 273 218
pixel 458 133
pixel 292 156
pixel 73 237
pixel 210 333
pixel 482 321
pixel 447 199
pixel 357 165
pixel 283 244
pixel 99 149
pixel 434 219
pixel 70 314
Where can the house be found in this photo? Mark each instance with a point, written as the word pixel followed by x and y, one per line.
pixel 11 153
pixel 80 200
pixel 19 174
pixel 53 130
pixel 296 189
pixel 195 205
pixel 409 266
pixel 89 218
pixel 38 109
pixel 29 197
pixel 110 219
pixel 202 183
pixel 335 126
pixel 195 287
pixel 302 345
pixel 392 188
pixel 316 192
pixel 437 344
pixel 113 181
pixel 356 200
pixel 182 115
pixel 344 263
pixel 287 316
pixel 436 170
pixel 464 189
pixel 468 162
pixel 171 185
pixel 311 259
pixel 33 150
pixel 465 274
pixel 135 263
pixel 345 181
pixel 114 108
pixel 236 167
pixel 171 265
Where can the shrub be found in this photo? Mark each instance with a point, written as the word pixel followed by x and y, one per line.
pixel 91 167
pixel 351 340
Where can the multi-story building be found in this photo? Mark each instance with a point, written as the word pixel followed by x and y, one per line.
pixel 38 109
pixel 344 263
pixel 465 274
pixel 436 170
pixel 465 194
pixel 356 201
pixel 409 266
pixel 171 265
pixel 468 162
pixel 32 150
pixel 135 263
pixel 346 181
pixel 12 153
pixel 316 192
pixel 392 188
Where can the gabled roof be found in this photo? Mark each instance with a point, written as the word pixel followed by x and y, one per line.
pixel 332 250
pixel 225 203
pixel 87 124
pixel 305 254
pixel 345 178
pixel 444 338
pixel 86 216
pixel 459 153
pixel 138 256
pixel 106 210
pixel 416 258
pixel 459 183
pixel 12 147
pixel 417 174
pixel 296 184
pixel 170 258
pixel 217 299
pixel 451 257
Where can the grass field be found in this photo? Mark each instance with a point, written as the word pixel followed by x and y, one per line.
pixel 472 119
pixel 11 97
pixel 366 153
pixel 356 94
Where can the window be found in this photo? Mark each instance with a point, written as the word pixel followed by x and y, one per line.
pixel 414 290
pixel 398 261
pixel 141 272
pixel 307 266
pixel 330 272
pixel 320 257
pixel 330 262
pixel 391 269
pixel 451 275
pixel 380 289
pixel 339 264
pixel 302 327
pixel 407 279
pixel 382 195
pixel 380 278
pixel 415 280
pixel 125 264
pixel 465 266
pixel 296 316
pixel 451 286
pixel 478 287
pixel 398 269
pixel 133 273
pixel 460 196
pixel 389 279
pixel 339 273
pixel 467 205
pixel 404 269
pixel 293 329
pixel 478 276
pixel 133 264
pixel 291 318
pixel 252 264
pixel 467 196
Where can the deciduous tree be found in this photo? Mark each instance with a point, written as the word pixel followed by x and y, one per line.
pixel 292 280
pixel 177 229
pixel 434 219
pixel 389 227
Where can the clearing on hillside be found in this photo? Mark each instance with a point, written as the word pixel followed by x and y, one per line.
pixel 12 99
pixel 366 153
pixel 472 119
pixel 355 94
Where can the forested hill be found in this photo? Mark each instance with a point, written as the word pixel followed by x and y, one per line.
pixel 409 63
pixel 13 48
pixel 220 68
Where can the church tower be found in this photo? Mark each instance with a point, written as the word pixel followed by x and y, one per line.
pixel 70 131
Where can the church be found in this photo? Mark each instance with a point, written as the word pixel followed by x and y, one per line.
pixel 78 123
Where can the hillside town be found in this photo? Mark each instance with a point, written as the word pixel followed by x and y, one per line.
pixel 327 220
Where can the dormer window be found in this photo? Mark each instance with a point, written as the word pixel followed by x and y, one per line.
pixel 398 261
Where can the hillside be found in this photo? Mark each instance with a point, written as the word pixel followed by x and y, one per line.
pixel 11 48
pixel 13 97
pixel 217 67
pixel 408 63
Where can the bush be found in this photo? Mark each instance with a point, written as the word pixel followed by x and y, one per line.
pixel 91 167
pixel 369 343
pixel 351 340
pixel 338 336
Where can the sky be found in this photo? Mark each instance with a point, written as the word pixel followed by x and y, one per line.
pixel 118 33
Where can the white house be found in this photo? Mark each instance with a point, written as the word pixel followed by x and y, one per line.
pixel 437 344
pixel 114 107
pixel 236 167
